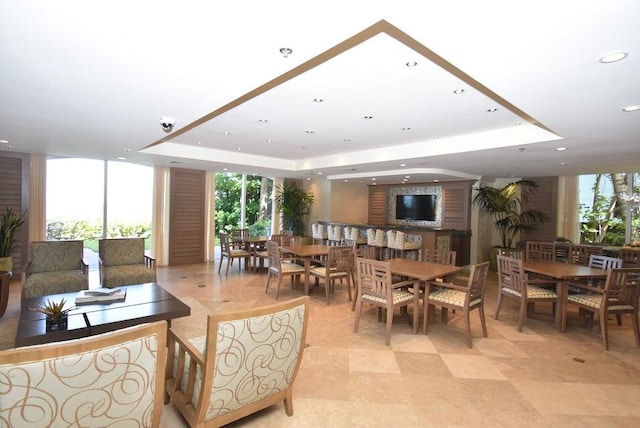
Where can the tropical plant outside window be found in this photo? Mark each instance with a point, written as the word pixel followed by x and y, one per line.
pixel 604 214
pixel 229 208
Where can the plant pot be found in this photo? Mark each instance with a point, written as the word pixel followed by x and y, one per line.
pixel 56 324
pixel 6 264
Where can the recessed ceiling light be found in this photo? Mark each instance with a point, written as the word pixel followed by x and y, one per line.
pixel 492 109
pixel 411 64
pixel 458 91
pixel 346 140
pixel 436 181
pixel 225 169
pixel 631 108
pixel 263 120
pixel 403 164
pixel 375 184
pixel 406 128
pixel 346 181
pixel 613 57
pixel 308 178
pixel 269 141
pixel 239 148
pixel 318 100
pixel 4 141
pixel 518 123
pixel 407 176
pixel 309 132
pixel 561 149
pixel 563 163
pixel 121 158
pixel 373 179
pixel 286 52
pixel 319 173
pixel 227 133
pixel 127 150
pixel 304 147
pixel 367 117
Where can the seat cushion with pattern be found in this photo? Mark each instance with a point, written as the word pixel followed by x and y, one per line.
pixel 399 296
pixel 533 292
pixel 45 283
pixel 453 297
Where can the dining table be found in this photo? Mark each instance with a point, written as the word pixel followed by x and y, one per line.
pixel 563 272
pixel 253 244
pixel 306 253
pixel 424 272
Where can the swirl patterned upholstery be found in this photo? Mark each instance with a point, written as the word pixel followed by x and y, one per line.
pixel 55 267
pixel 111 379
pixel 247 361
pixel 123 262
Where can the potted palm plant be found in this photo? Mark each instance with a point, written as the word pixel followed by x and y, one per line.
pixel 504 206
pixel 10 221
pixel 294 203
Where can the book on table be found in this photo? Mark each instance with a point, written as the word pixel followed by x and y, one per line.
pixel 90 296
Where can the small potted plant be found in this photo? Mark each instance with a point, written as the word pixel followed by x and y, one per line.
pixel 55 314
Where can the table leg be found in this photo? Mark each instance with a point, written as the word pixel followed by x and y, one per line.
pixel 307 268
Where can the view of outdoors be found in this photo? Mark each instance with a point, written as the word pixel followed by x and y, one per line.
pixel 76 204
pixel 605 201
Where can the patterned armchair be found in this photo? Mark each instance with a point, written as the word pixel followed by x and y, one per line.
pixel 111 379
pixel 247 361
pixel 123 262
pixel 55 267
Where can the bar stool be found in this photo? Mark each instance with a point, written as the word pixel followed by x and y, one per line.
pixel 353 234
pixel 399 245
pixel 376 238
pixel 334 234
pixel 319 233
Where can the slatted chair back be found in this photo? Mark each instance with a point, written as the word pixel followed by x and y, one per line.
pixel 604 262
pixel 580 254
pixel 541 251
pixel 444 257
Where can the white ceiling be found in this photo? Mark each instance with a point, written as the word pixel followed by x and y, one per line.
pixel 92 79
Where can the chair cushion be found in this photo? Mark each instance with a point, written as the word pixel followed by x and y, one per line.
pixel 291 267
pixel 45 283
pixel 399 296
pixel 533 292
pixel 594 300
pixel 322 271
pixel 234 252
pixel 54 256
pixel 451 297
pixel 115 276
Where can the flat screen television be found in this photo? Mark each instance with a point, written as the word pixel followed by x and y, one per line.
pixel 416 207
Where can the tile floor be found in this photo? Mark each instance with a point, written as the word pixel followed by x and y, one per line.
pixel 537 378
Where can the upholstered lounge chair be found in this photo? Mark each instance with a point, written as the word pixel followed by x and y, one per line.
pixel 247 361
pixel 111 379
pixel 55 267
pixel 123 262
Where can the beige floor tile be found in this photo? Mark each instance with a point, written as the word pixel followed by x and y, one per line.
pixel 371 361
pixel 472 367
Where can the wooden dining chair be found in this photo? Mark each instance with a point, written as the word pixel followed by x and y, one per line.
pixel 540 251
pixel 436 255
pixel 339 265
pixel 448 295
pixel 375 287
pixel 231 252
pixel 514 283
pixel 580 254
pixel 280 267
pixel 619 296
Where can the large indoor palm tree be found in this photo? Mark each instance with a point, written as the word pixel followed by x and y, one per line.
pixel 505 206
pixel 294 203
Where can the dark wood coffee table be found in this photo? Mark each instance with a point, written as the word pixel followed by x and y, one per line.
pixel 144 303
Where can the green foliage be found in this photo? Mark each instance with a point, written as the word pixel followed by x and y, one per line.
pixel 604 222
pixel 294 203
pixel 228 208
pixel 505 207
pixel 10 221
pixel 260 228
pixel 52 309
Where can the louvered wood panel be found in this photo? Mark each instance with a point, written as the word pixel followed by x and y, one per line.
pixel 456 205
pixel 377 205
pixel 544 199
pixel 11 196
pixel 187 211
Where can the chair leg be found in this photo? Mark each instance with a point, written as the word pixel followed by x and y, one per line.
pixel 278 285
pixel 482 321
pixel 220 265
pixel 388 326
pixel 523 314
pixel 266 287
pixel 603 330
pixel 636 328
pixel 288 402
pixel 426 312
pixel 358 310
pixel 228 265
pixel 498 304
pixel 467 323
pixel 327 287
